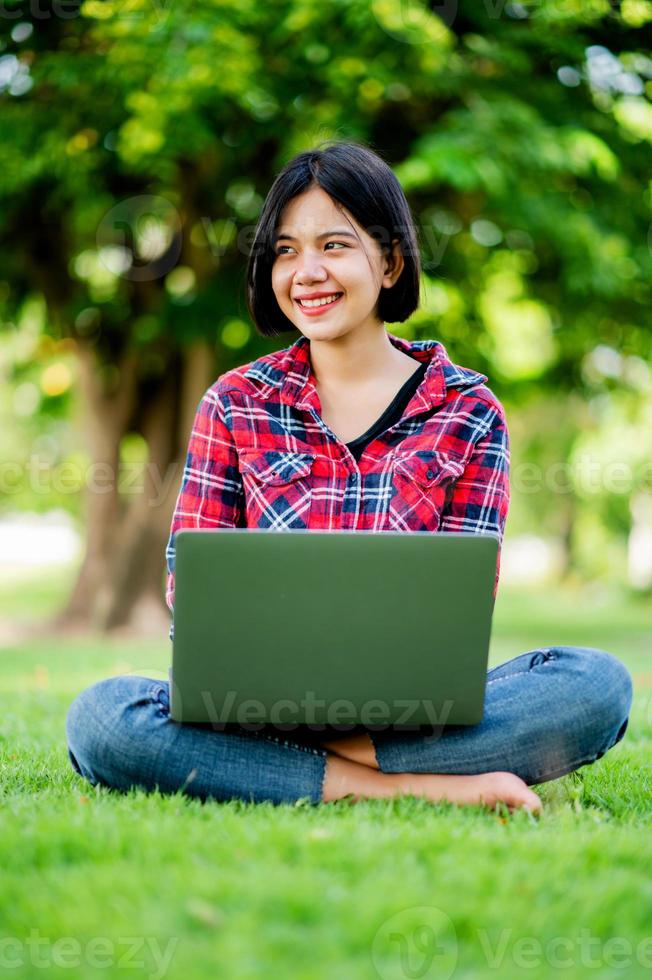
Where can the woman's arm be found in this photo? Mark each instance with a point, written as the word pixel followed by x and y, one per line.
pixel 480 497
pixel 211 493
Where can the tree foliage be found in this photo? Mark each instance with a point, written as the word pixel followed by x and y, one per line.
pixel 139 140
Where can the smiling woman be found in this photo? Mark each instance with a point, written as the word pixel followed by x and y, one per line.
pixel 330 289
pixel 335 221
pixel 276 444
pixel 335 256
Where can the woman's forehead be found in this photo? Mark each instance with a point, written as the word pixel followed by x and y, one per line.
pixel 313 213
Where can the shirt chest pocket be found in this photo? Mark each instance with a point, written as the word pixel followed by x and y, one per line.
pixel 278 489
pixel 422 482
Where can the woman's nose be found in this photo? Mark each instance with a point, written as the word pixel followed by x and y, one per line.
pixel 310 268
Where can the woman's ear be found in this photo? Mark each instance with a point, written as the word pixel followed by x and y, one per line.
pixel 393 264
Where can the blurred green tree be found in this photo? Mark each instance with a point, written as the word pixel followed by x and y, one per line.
pixel 139 141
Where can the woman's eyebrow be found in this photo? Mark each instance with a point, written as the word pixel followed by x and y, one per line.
pixel 325 234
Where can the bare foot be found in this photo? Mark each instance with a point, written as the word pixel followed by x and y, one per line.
pixel 346 778
pixel 487 788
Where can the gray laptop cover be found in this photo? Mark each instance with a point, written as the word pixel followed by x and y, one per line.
pixel 331 627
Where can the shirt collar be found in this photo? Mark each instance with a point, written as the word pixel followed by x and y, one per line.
pixel 297 381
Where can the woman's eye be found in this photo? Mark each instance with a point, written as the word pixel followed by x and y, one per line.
pixel 280 251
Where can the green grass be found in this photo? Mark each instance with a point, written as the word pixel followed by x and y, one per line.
pixel 336 891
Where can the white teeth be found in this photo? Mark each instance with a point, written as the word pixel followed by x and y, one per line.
pixel 319 302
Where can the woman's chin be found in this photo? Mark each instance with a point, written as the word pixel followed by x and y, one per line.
pixel 324 331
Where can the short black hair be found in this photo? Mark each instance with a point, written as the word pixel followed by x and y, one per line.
pixel 355 176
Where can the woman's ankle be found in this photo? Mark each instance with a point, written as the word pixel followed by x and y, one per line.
pixel 356 748
pixel 345 778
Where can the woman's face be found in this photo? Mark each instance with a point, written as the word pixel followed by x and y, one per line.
pixel 319 251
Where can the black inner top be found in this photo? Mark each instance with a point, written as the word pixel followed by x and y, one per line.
pixel 392 413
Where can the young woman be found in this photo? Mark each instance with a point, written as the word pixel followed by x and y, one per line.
pixel 351 427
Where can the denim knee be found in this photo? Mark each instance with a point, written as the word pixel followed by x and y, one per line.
pixel 604 697
pixel 100 746
pixel 620 693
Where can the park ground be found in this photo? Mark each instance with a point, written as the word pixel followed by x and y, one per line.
pixel 95 883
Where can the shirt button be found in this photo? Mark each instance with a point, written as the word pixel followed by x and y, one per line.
pixel 430 474
pixel 354 478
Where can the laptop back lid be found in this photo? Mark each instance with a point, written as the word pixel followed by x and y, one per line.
pixel 330 627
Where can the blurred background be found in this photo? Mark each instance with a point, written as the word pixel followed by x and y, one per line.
pixel 137 144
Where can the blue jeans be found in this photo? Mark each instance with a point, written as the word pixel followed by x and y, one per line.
pixel 547 712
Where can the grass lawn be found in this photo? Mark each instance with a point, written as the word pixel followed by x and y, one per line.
pixel 101 884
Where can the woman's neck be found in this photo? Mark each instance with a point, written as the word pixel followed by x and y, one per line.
pixel 356 361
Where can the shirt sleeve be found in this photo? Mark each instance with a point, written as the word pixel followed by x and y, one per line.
pixel 211 493
pixel 480 497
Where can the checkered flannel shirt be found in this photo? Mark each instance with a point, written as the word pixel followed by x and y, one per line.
pixel 261 456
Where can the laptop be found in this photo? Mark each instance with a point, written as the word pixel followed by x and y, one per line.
pixel 331 630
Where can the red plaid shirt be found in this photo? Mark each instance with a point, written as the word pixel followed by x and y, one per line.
pixel 261 456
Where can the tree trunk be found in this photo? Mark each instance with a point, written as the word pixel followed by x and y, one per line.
pixel 121 582
pixel 106 416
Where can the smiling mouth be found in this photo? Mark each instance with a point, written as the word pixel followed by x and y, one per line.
pixel 312 305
